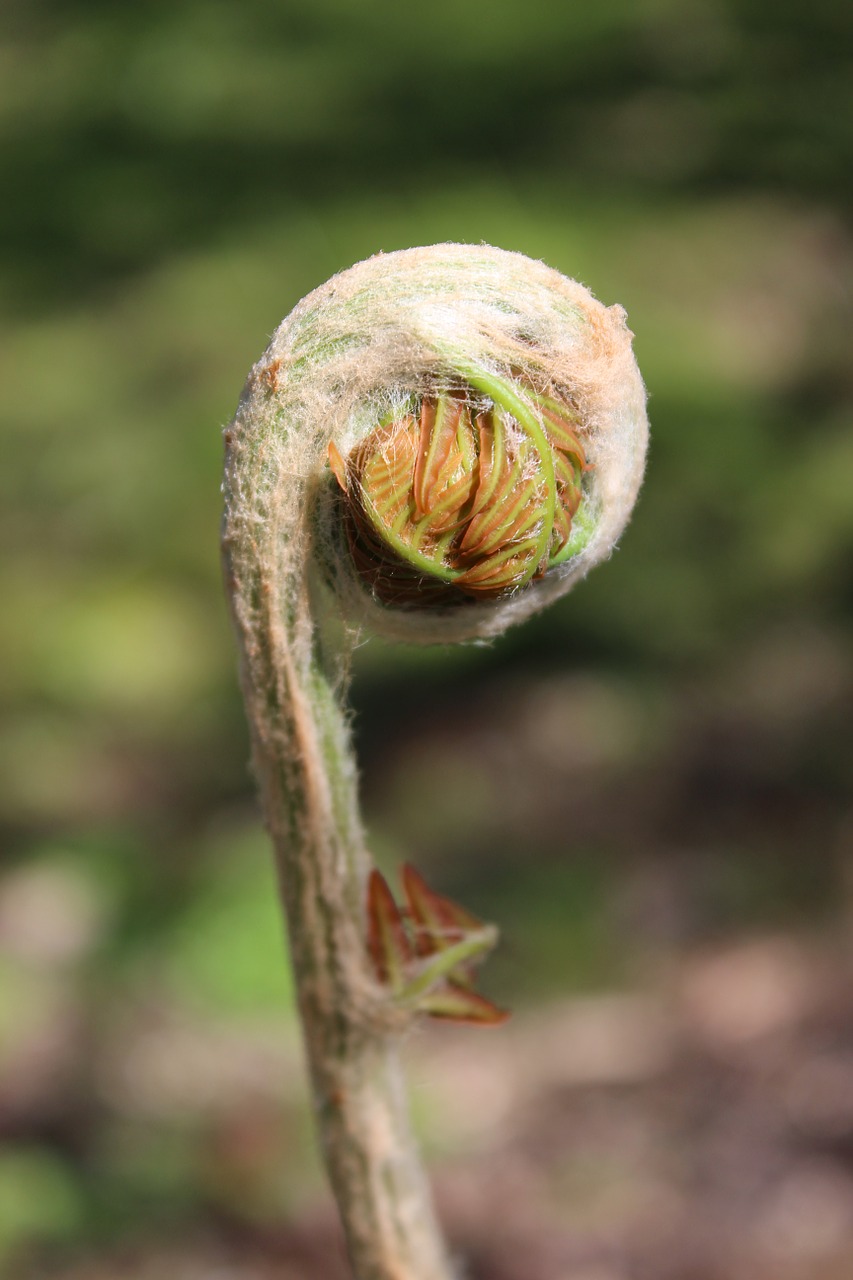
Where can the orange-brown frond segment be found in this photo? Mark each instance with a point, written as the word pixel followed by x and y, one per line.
pixel 385 463
pixel 459 1004
pixel 387 941
pixel 438 921
pixel 339 467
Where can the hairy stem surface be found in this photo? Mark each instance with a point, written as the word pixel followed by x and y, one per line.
pixel 478 338
pixel 304 765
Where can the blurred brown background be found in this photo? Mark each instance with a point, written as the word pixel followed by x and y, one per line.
pixel 648 788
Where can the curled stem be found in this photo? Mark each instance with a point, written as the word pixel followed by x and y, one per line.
pixel 452 338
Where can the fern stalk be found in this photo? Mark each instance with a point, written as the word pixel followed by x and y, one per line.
pixel 440 383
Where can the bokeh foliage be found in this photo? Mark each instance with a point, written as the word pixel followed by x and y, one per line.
pixel 175 177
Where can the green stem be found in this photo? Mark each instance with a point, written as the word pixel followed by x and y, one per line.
pixel 293 687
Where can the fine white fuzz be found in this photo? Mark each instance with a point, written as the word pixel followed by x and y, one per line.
pixel 451 328
pixel 413 322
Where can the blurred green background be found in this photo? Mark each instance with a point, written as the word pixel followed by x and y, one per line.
pixel 655 772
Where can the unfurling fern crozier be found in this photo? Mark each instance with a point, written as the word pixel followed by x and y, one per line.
pixel 436 444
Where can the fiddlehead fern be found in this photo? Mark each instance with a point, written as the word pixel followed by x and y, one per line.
pixel 436 444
